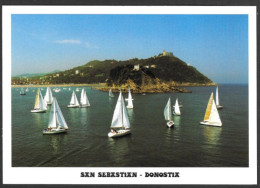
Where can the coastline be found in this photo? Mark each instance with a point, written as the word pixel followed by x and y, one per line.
pixel 61 85
pixel 178 88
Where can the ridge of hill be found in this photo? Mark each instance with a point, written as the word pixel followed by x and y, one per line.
pixel 151 71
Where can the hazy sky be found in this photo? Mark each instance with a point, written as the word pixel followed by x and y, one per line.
pixel 217 45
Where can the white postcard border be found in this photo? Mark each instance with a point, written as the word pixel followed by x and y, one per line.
pixel 35 175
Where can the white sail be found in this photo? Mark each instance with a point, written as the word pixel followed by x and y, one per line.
pixel 217 101
pixel 56 119
pixel 110 93
pixel 214 115
pixel 120 117
pixel 177 108
pixel 22 91
pixel 84 98
pixel 40 104
pixel 37 102
pixel 168 111
pixel 48 96
pixel 42 101
pixel 74 100
pixel 130 99
pixel 60 117
pixel 53 112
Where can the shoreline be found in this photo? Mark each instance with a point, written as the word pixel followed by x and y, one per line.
pixel 61 85
pixel 104 85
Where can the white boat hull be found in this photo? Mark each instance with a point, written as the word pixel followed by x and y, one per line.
pixel 119 133
pixel 38 111
pixel 219 107
pixel 54 131
pixel 176 114
pixel 73 106
pixel 129 107
pixel 170 124
pixel 84 106
pixel 216 124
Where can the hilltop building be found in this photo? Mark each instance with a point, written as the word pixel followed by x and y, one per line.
pixel 137 67
pixel 167 53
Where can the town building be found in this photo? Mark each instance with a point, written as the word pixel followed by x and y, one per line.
pixel 137 67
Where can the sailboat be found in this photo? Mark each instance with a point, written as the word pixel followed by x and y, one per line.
pixel 22 92
pixel 48 96
pixel 74 103
pixel 168 113
pixel 130 99
pixel 57 123
pixel 27 89
pixel 110 93
pixel 120 125
pixel 217 100
pixel 211 115
pixel 39 105
pixel 56 90
pixel 84 102
pixel 177 108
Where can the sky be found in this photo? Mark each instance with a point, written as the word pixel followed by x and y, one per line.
pixel 216 45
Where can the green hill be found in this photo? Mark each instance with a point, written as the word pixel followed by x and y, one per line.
pixel 113 72
pixel 166 69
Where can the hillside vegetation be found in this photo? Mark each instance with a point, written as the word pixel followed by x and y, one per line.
pixel 152 71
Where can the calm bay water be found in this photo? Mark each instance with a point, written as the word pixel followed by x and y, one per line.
pixel 151 143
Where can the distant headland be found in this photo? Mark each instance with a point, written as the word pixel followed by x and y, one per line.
pixel 161 73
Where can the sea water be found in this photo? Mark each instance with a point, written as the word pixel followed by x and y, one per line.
pixel 150 144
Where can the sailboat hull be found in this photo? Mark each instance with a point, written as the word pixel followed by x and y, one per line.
pixel 129 107
pixel 73 106
pixel 38 111
pixel 84 106
pixel 170 124
pixel 219 107
pixel 119 133
pixel 216 124
pixel 54 131
pixel 176 114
